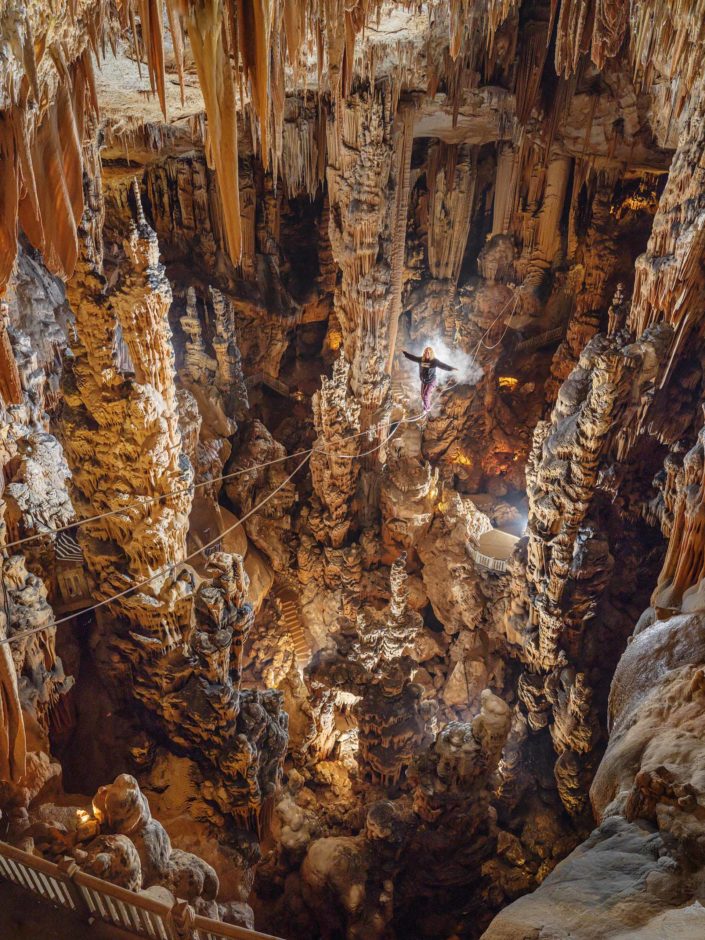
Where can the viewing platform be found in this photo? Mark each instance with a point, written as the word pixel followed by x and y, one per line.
pixel 493 550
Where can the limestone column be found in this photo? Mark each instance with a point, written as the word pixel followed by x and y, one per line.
pixel 547 239
pixel 10 385
pixel 361 190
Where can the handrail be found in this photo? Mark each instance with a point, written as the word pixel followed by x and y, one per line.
pixel 65 885
pixel 494 564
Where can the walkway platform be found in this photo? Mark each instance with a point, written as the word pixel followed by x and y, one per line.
pixel 493 549
pixel 89 899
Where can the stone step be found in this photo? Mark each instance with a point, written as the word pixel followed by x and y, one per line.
pixel 290 619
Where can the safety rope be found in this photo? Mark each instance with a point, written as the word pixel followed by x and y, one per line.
pixel 452 381
pixel 136 587
pixel 481 342
pixel 148 500
pixel 506 327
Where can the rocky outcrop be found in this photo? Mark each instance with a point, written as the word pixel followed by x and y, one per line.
pixel 362 187
pixel 334 469
pixel 370 659
pixel 178 644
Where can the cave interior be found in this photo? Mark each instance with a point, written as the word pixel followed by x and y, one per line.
pixel 352 436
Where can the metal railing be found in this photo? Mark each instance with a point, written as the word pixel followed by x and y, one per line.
pixel 65 885
pixel 494 564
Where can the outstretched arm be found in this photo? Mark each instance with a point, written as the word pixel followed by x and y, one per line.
pixel 410 356
pixel 444 365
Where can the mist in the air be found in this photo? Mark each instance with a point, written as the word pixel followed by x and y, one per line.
pixel 468 371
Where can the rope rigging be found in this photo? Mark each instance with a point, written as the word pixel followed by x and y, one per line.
pixel 306 454
pixel 172 567
pixel 453 382
pixel 148 500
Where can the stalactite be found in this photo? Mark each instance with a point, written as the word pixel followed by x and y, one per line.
pixel 208 42
pixel 10 385
pixel 668 284
pixel 573 32
pixel 532 56
pixel 611 21
pixel 8 200
pixel 295 27
pixel 255 24
pixel 49 163
pixel 177 41
pixel 671 34
pixel 152 20
pixel 399 225
pixel 53 230
pixel 303 150
pixel 451 187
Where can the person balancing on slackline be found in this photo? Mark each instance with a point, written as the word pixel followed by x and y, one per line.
pixel 427 373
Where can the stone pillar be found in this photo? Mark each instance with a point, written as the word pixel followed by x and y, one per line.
pixel 10 385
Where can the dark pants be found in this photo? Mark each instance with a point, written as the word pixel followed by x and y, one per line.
pixel 426 393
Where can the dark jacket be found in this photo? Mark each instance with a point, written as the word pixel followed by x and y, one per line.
pixel 427 368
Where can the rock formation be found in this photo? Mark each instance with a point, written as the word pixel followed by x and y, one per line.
pixel 371 660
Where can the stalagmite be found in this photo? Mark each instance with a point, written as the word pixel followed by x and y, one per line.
pixel 401 208
pixel 600 258
pixel 337 418
pixel 546 239
pixel 506 186
pixel 362 194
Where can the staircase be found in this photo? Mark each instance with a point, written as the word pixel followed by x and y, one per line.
pixel 396 389
pixel 291 621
